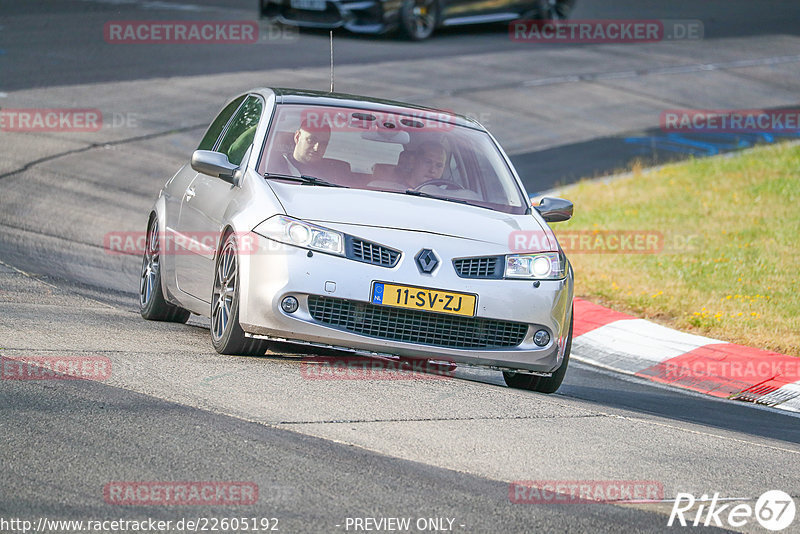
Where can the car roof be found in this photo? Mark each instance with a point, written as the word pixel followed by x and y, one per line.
pixel 285 95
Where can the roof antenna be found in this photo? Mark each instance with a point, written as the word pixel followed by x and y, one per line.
pixel 331 61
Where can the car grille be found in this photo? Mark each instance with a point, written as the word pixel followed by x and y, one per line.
pixel 488 267
pixel 414 326
pixel 368 252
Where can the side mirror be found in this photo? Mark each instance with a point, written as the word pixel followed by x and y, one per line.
pixel 555 209
pixel 214 164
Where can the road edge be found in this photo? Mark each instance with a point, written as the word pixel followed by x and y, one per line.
pixel 626 344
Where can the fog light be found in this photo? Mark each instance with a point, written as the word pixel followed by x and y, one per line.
pixel 541 338
pixel 289 305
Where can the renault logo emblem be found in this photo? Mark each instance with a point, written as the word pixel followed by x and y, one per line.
pixel 427 260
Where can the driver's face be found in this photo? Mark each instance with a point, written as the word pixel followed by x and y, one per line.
pixel 428 165
pixel 309 147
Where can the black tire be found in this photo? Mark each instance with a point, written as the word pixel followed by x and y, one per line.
pixel 549 10
pixel 418 19
pixel 542 384
pixel 152 304
pixel 519 380
pixel 227 335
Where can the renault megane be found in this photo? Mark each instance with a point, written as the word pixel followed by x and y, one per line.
pixel 366 225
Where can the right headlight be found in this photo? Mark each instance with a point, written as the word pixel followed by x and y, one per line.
pixel 542 266
pixel 302 234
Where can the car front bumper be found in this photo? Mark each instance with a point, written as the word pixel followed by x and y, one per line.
pixel 358 16
pixel 274 271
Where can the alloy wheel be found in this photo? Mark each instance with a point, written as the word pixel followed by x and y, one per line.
pixel 150 266
pixel 224 290
pixel 421 18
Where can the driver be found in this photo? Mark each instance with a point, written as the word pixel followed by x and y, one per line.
pixel 310 142
pixel 428 164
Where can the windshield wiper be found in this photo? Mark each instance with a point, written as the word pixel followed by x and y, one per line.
pixel 303 178
pixel 414 192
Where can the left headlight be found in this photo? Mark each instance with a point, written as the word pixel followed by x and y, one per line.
pixel 544 266
pixel 302 234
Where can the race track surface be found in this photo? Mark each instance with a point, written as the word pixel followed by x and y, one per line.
pixel 321 451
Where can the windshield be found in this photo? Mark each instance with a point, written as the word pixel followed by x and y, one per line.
pixel 391 152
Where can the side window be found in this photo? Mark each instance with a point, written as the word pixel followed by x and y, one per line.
pixel 241 131
pixel 210 139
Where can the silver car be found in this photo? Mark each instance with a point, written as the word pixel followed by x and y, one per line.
pixel 366 225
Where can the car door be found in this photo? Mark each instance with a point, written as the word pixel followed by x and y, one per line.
pixel 206 200
pixel 178 188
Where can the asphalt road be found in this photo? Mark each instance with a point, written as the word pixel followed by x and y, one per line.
pixel 62 444
pixel 57 42
pixel 322 451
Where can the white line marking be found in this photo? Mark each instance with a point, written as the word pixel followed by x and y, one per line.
pixel 641 341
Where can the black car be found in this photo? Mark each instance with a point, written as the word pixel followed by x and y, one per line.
pixel 415 19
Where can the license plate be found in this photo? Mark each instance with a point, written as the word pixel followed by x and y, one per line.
pixel 313 5
pixel 420 298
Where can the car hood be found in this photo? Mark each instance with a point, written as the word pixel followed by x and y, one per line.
pixel 404 212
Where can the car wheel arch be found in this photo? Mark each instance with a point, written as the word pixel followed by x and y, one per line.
pixel 243 265
pixel 159 212
pixel 223 234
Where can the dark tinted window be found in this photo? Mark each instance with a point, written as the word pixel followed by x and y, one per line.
pixel 241 130
pixel 210 139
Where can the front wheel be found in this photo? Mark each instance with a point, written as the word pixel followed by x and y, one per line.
pixel 152 304
pixel 227 335
pixel 418 18
pixel 542 384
